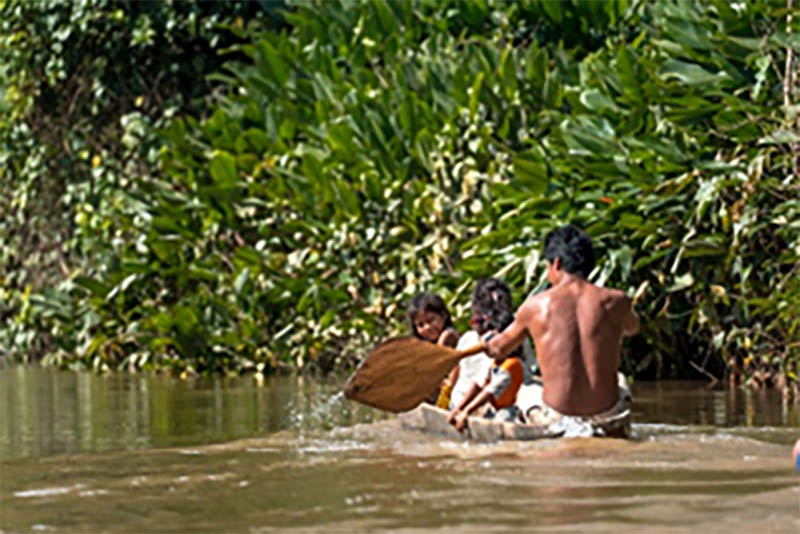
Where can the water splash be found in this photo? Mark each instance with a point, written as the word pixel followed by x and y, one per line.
pixel 322 411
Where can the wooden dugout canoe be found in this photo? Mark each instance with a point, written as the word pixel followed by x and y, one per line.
pixel 433 420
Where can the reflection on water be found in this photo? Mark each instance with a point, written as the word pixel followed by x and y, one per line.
pixel 693 403
pixel 46 412
pixel 82 453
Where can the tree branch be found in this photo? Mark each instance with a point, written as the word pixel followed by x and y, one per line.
pixel 787 75
pixel 788 83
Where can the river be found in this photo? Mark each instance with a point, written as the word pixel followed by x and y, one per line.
pixel 131 453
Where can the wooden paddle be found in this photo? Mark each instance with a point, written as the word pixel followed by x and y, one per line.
pixel 399 373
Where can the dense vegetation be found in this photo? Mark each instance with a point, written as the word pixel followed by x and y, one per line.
pixel 268 191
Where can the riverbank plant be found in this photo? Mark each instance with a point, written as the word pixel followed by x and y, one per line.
pixel 365 151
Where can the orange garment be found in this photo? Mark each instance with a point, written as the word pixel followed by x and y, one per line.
pixel 504 382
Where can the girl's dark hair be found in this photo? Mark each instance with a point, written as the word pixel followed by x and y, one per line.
pixel 491 308
pixel 428 302
pixel 573 246
pixel 491 305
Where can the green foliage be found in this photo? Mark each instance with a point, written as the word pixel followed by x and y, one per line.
pixel 375 149
pixel 83 84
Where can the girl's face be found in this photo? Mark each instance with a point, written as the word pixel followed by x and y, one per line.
pixel 429 325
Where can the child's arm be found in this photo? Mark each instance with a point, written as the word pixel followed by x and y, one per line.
pixel 472 400
pixel 452 378
pixel 473 390
pixel 459 416
pixel 446 388
pixel 448 338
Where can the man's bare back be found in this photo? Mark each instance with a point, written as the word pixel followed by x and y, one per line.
pixel 577 328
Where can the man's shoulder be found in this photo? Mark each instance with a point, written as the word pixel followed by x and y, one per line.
pixel 613 293
pixel 612 300
pixel 617 296
pixel 535 305
pixel 543 296
pixel 606 293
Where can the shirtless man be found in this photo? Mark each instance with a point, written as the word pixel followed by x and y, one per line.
pixel 577 328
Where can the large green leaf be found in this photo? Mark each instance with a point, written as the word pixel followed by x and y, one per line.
pixel 223 168
pixel 278 69
pixel 692 74
pixel 531 170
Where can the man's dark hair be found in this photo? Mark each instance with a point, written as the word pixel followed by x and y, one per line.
pixel 573 246
pixel 491 305
pixel 429 302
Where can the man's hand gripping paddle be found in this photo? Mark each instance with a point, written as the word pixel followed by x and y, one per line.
pixel 399 373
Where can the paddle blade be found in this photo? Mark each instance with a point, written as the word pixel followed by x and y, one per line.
pixel 399 373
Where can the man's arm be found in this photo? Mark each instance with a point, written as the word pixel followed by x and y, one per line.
pixel 630 321
pixel 509 339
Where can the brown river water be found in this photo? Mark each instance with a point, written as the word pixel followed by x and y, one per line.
pixel 84 453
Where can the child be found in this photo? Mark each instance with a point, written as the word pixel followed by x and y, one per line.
pixel 491 310
pixel 431 321
pixel 506 376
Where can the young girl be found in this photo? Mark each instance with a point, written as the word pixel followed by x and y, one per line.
pixel 431 321
pixel 491 310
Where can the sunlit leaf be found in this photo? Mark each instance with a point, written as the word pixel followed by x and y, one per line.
pixel 223 168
